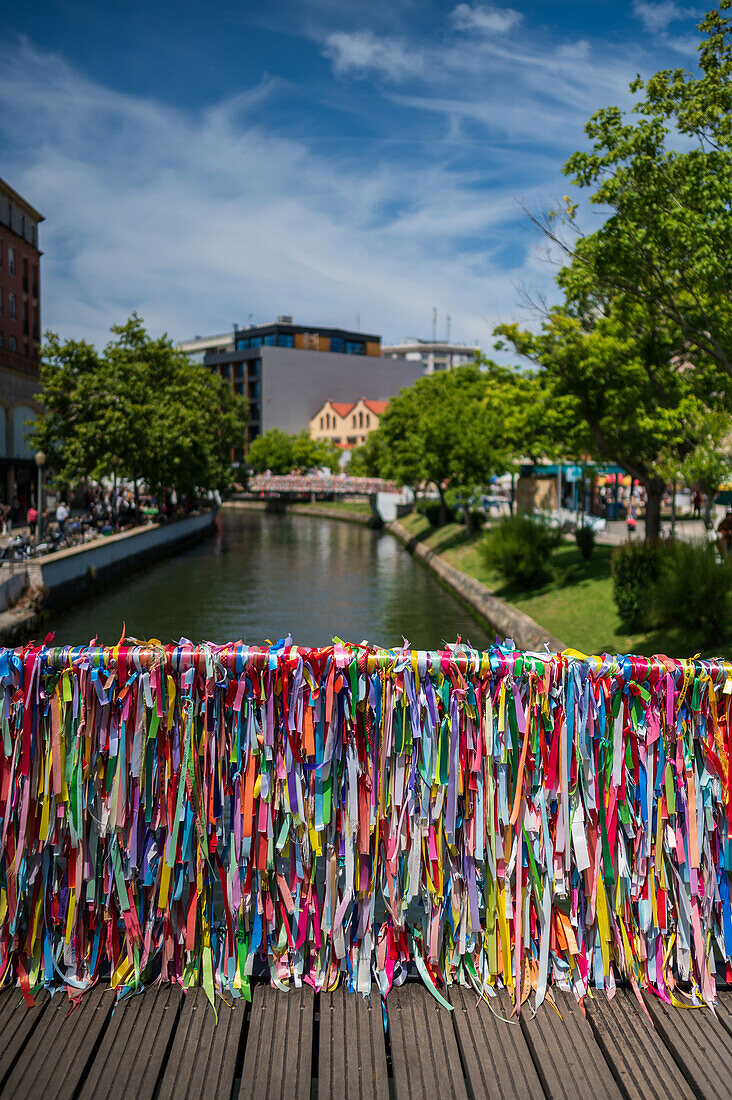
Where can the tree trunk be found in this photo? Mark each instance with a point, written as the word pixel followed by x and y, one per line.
pixel 468 521
pixel 654 492
pixel 708 509
pixel 443 506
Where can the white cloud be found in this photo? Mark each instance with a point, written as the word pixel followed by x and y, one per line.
pixel 199 219
pixel 657 17
pixel 359 53
pixel 488 18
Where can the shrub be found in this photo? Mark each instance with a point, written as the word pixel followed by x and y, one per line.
pixel 519 548
pixel 635 569
pixel 585 538
pixel 693 591
pixel 431 510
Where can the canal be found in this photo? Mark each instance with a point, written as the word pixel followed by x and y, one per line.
pixel 263 576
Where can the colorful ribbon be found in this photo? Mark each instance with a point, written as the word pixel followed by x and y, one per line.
pixel 498 818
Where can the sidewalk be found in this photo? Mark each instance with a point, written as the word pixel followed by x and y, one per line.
pixel 691 530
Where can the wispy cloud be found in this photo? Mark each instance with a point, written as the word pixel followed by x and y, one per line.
pixel 657 17
pixel 197 219
pixel 360 53
pixel 485 18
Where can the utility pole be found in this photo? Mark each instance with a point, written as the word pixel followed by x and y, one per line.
pixel 434 324
pixel 449 326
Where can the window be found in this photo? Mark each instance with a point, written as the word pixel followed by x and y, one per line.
pixel 285 340
pixel 1 299
pixel 337 343
pixel 368 421
pixel 22 225
pixel 11 305
pixel 242 343
pixel 255 342
pixel 355 347
pixel 353 419
pixel 270 340
pixel 13 344
pixel 11 260
pixel 2 339
pixel 360 420
pixel 1 253
pixel 22 414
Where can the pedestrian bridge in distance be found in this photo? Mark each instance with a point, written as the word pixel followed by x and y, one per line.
pixel 294 486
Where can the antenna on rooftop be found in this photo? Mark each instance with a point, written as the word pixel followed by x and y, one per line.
pixel 434 324
pixel 449 326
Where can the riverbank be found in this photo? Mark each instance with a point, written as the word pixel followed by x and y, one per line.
pixel 345 510
pixel 61 578
pixel 495 613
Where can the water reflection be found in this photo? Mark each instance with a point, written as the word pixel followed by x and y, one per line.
pixel 265 575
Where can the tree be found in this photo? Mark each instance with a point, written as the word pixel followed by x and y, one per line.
pixel 667 243
pixel 626 392
pixel 641 347
pixel 141 408
pixel 371 458
pixel 709 464
pixel 281 453
pixel 439 430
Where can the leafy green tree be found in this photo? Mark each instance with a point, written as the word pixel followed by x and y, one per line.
pixel 709 464
pixel 371 458
pixel 440 430
pixel 628 396
pixel 281 453
pixel 667 242
pixel 140 408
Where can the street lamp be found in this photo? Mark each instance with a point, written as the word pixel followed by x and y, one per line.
pixel 40 463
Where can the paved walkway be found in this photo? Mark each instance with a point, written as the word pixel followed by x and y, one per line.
pixel 616 532
pixel 164 1044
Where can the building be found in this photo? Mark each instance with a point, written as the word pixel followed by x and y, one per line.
pixel 347 423
pixel 197 348
pixel 286 370
pixel 434 355
pixel 20 334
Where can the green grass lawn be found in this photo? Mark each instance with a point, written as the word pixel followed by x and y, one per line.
pixel 576 605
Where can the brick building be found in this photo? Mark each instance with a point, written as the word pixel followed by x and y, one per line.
pixel 20 334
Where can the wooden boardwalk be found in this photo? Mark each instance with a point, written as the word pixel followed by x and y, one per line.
pixel 165 1046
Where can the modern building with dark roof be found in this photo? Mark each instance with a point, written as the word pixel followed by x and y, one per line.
pixel 288 371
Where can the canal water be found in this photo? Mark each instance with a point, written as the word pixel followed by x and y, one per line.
pixel 262 576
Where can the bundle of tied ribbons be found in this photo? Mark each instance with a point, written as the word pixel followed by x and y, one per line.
pixel 496 818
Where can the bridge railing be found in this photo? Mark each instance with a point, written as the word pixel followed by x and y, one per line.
pixel 499 817
pixel 321 486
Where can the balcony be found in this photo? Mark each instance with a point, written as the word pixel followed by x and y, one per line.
pixel 29 365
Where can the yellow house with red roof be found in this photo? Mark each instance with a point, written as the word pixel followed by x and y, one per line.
pixel 347 423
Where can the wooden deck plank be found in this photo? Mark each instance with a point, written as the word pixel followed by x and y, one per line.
pixel 495 1056
pixel 700 1045
pixel 279 1048
pixel 203 1057
pixel 640 1061
pixel 568 1060
pixel 351 1047
pixel 16 1025
pixel 60 1047
pixel 129 1061
pixel 424 1050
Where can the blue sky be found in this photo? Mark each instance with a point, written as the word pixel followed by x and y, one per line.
pixel 339 160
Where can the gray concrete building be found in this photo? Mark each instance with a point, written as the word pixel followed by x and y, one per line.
pixel 288 371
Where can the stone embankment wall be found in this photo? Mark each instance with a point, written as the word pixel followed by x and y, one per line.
pixel 67 575
pixel 497 614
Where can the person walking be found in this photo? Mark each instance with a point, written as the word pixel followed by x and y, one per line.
pixel 62 514
pixel 631 520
